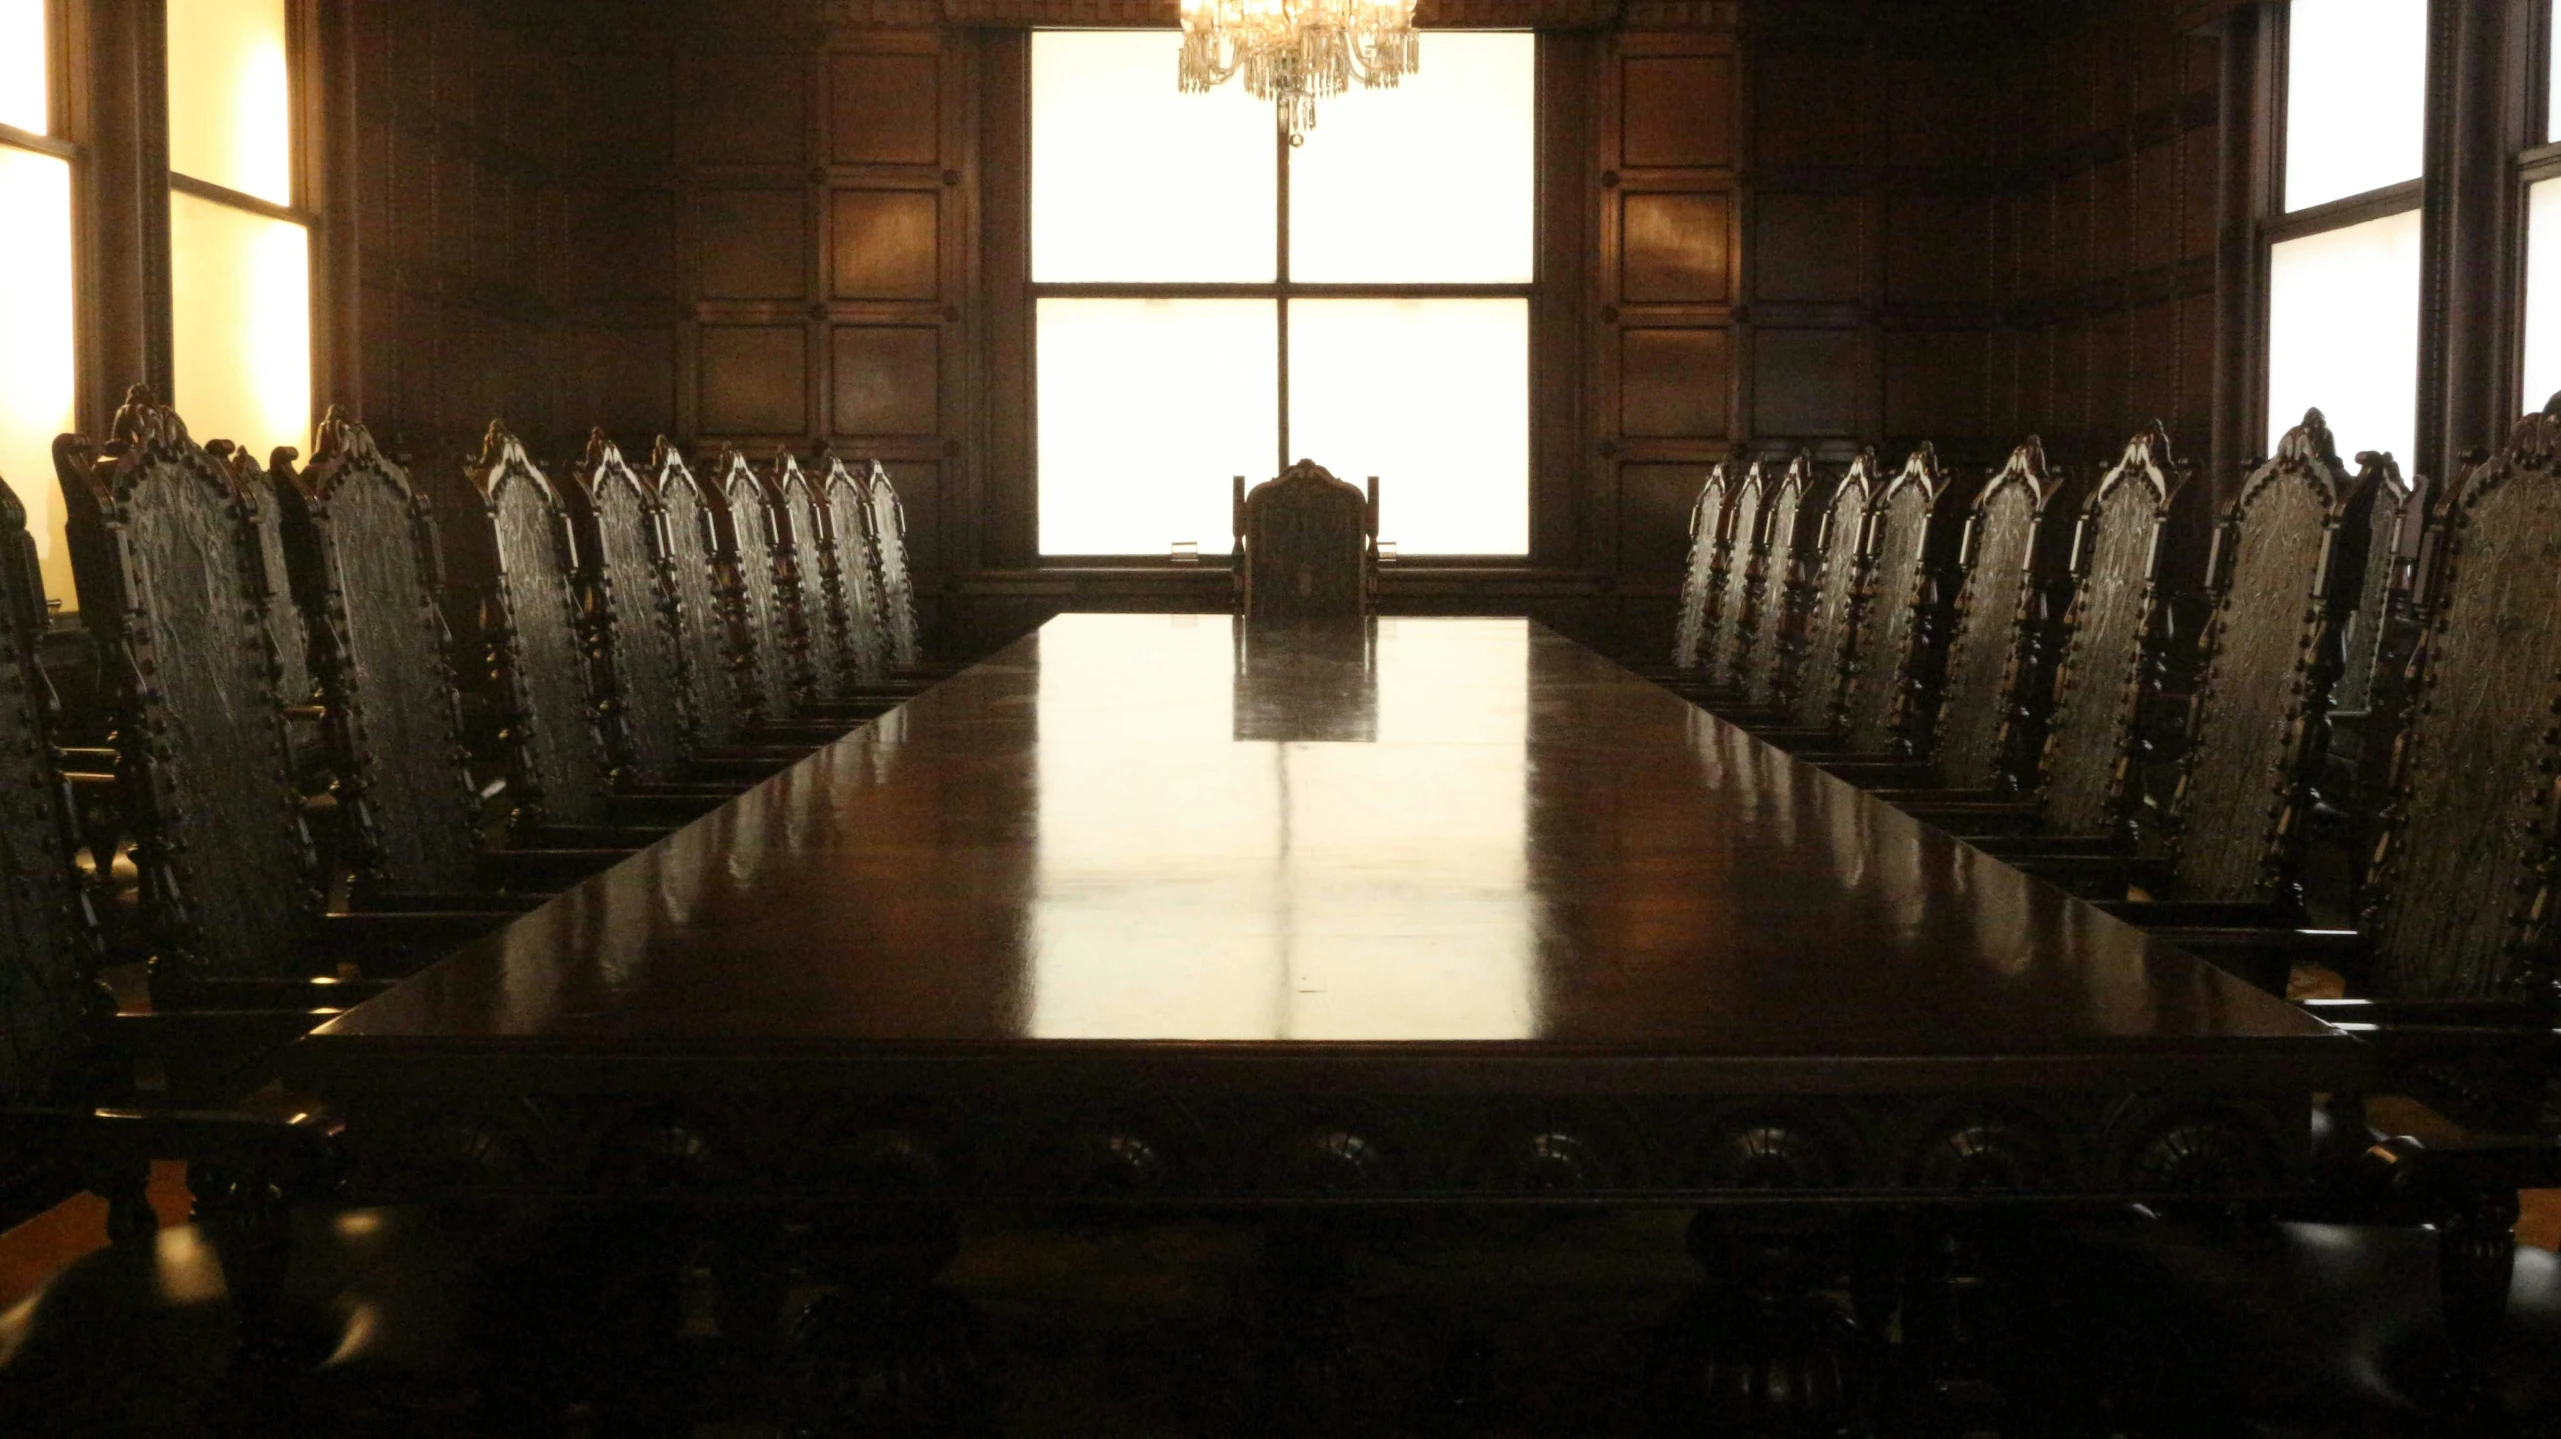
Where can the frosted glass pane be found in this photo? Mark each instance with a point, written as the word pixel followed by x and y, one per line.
pixel 1148 410
pixel 2356 94
pixel 230 104
pixel 35 345
pixel 1134 180
pixel 1433 181
pixel 2542 294
pixel 23 56
pixel 2343 334
pixel 240 312
pixel 1431 396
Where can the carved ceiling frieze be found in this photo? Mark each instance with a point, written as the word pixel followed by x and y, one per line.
pixel 1541 14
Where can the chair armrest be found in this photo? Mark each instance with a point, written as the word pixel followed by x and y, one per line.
pixel 89 756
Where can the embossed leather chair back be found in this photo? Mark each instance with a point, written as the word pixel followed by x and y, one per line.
pixel 1793 525
pixel 167 567
pixel 559 772
pixel 2108 633
pixel 294 678
pixel 2460 898
pixel 365 558
pixel 2377 635
pixel 1836 590
pixel 48 937
pixel 1886 661
pixel 855 580
pixel 631 609
pixel 887 533
pixel 1730 621
pixel 2268 656
pixel 1988 648
pixel 1304 544
pixel 700 575
pixel 769 636
pixel 1703 577
pixel 809 579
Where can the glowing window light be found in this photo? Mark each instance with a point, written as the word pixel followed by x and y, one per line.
pixel 24 88
pixel 2355 98
pixel 230 99
pixel 36 362
pixel 240 311
pixel 2542 294
pixel 2343 334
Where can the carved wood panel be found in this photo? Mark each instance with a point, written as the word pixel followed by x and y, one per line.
pixel 1703 577
pixel 1886 651
pixel 1836 593
pixel 1996 584
pixel 632 606
pixel 698 576
pixel 362 543
pixel 2107 633
pixel 2267 661
pixel 887 533
pixel 555 747
pixel 168 570
pixel 47 947
pixel 2461 892
pixel 768 633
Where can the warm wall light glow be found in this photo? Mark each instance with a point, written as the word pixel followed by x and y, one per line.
pixel 1132 180
pixel 1147 410
pixel 2343 334
pixel 36 363
pixel 1432 181
pixel 240 311
pixel 2355 99
pixel 24 87
pixel 230 103
pixel 2542 294
pixel 1431 396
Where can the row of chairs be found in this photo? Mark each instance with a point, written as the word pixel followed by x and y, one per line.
pixel 293 793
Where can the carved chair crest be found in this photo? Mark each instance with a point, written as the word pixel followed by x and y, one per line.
pixel 364 554
pixel 1703 576
pixel 700 578
pixel 1786 589
pixel 1305 545
pixel 887 531
pixel 811 581
pixel 284 614
pixel 2108 635
pixel 2377 639
pixel 1991 623
pixel 2267 658
pixel 1836 585
pixel 632 608
pixel 48 934
pixel 768 635
pixel 2460 896
pixel 1731 620
pixel 560 772
pixel 169 575
pixel 1896 631
pixel 847 504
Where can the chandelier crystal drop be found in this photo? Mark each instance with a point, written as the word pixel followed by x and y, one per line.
pixel 1297 52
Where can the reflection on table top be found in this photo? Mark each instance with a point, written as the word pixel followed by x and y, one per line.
pixel 1452 836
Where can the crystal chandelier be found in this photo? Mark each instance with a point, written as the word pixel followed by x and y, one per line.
pixel 1297 52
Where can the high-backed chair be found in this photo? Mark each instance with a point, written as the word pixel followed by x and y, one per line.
pixel 1838 589
pixel 806 574
pixel 887 533
pixel 698 578
pixel 1703 574
pixel 1784 593
pixel 768 632
pixel 853 578
pixel 1306 546
pixel 48 936
pixel 294 678
pixel 1731 619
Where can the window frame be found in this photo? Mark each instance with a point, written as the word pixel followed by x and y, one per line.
pixel 1281 290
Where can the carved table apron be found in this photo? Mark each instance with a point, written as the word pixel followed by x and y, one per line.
pixel 1149 908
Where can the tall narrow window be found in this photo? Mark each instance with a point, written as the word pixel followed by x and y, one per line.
pixel 2343 258
pixel 240 272
pixel 2539 168
pixel 36 361
pixel 1212 302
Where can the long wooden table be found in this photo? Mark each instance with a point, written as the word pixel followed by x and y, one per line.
pixel 1146 907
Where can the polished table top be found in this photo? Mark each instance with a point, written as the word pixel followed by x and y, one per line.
pixel 1457 854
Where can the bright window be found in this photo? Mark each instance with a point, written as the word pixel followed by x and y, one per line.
pixel 1173 235
pixel 240 266
pixel 2355 99
pixel 37 362
pixel 2343 334
pixel 2542 293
